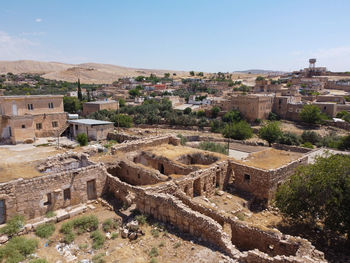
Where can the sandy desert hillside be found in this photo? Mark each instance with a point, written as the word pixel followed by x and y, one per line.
pixel 87 72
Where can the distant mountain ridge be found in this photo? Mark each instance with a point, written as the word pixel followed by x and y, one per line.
pixel 260 71
pixel 87 72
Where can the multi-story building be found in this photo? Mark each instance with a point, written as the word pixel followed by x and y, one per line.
pixel 24 118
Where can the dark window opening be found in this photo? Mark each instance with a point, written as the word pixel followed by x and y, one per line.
pixel 39 126
pixel 50 105
pixel 138 176
pixel 30 107
pixel 49 199
pixel 161 168
pixel 23 126
pixel 66 194
pixel 247 178
pixel 54 124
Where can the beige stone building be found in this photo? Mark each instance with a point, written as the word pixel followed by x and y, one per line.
pixel 94 129
pixel 24 118
pixel 94 106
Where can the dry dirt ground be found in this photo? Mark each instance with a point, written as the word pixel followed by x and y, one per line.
pixel 171 246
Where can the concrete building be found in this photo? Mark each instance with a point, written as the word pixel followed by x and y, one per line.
pixel 94 106
pixel 94 129
pixel 24 118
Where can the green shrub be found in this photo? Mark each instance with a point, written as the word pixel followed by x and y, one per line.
pixel 85 223
pixel 69 238
pixel 67 227
pixel 109 224
pixel 39 260
pixel 45 230
pixel 240 216
pixel 114 235
pixel 155 232
pixel 98 258
pixel 153 252
pixel 50 214
pixel 142 219
pixel 161 244
pixel 153 260
pixel 177 245
pixel 270 132
pixel 13 226
pixel 289 138
pixel 183 140
pixel 17 249
pixel 82 139
pixel 307 145
pixel 213 147
pixel 311 136
pixel 83 246
pixel 98 239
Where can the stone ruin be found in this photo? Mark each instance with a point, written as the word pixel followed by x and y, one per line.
pixel 163 185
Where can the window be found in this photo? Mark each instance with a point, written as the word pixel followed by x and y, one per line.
pixel 246 178
pixel 50 105
pixel 54 124
pixel 30 107
pixel 66 194
pixel 23 126
pixel 39 126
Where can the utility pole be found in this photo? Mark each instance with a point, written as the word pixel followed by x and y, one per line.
pixel 228 146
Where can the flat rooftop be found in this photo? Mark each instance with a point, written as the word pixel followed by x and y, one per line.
pixel 89 122
pixel 271 158
pixel 101 102
pixel 31 96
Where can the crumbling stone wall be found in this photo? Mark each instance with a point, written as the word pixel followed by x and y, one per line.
pixel 291 148
pixel 135 174
pixel 121 137
pixel 29 197
pixel 137 144
pixel 206 181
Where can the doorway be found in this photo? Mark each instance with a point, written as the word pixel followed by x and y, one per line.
pixel 2 212
pixel 91 190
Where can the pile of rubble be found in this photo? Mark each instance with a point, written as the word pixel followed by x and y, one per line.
pixel 131 230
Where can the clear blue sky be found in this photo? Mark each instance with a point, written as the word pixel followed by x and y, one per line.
pixel 205 35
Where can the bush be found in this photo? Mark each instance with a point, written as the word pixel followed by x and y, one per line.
pixel 183 140
pixel 83 246
pixel 82 139
pixel 98 258
pixel 307 145
pixel 39 260
pixel 109 224
pixel 215 111
pixel 319 193
pixel 85 223
pixel 188 110
pixel 66 227
pixel 69 238
pixel 17 249
pixel 153 252
pixel 289 138
pixel 155 232
pixel 13 226
pixel 232 116
pixel 213 147
pixel 238 131
pixel 311 136
pixel 270 132
pixel 273 117
pixel 142 219
pixel 114 235
pixel 50 214
pixel 98 239
pixel 45 230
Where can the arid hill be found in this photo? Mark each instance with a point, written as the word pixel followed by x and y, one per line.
pixel 87 72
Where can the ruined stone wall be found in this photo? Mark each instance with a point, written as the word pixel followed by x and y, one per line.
pixel 290 148
pixel 121 137
pixel 251 179
pixel 169 209
pixel 206 181
pixel 137 144
pixel 135 174
pixel 28 196
pixel 162 164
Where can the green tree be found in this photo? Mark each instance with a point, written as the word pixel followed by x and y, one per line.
pixel 200 74
pixel 134 92
pixel 71 104
pixel 123 119
pixel 311 136
pixel 270 132
pixel 192 73
pixel 82 139
pixel 188 110
pixel 215 111
pixel 166 75
pixel 259 78
pixel 289 138
pixel 80 95
pixel 238 131
pixel 319 193
pixel 232 116
pixel 311 114
pixel 121 102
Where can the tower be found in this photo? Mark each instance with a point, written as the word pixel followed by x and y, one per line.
pixel 312 62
